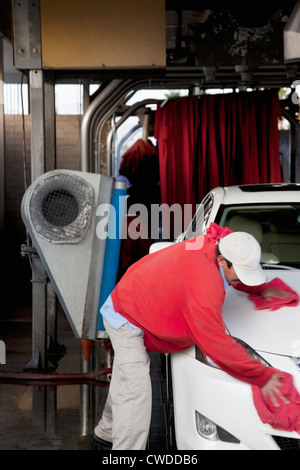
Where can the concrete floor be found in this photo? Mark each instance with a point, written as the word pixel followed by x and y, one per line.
pixel 51 417
pixel 27 418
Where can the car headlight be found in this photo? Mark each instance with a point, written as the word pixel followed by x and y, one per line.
pixel 252 353
pixel 200 356
pixel 296 361
pixel 206 428
pixel 211 431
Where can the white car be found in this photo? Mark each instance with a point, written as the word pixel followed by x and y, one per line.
pixel 212 410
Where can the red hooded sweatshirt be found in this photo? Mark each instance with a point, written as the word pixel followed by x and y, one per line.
pixel 176 297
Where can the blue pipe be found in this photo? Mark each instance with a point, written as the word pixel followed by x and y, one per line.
pixel 113 245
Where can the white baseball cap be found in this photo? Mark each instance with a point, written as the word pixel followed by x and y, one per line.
pixel 244 252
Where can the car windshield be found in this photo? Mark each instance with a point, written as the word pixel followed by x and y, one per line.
pixel 275 226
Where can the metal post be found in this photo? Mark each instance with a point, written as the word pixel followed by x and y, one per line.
pixel 49 117
pixel 2 148
pixel 43 158
pixel 37 112
pixel 28 56
pixel 39 293
pixel 85 399
pixel 44 305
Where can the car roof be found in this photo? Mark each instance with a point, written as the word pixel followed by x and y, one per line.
pixel 269 193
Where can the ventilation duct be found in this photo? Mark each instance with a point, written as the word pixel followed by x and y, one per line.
pixel 291 36
pixel 59 212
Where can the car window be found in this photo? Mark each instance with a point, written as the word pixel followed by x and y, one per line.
pixel 276 227
pixel 200 219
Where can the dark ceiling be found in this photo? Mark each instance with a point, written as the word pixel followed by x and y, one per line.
pixel 215 44
pixel 229 44
pixel 226 36
pixel 5 18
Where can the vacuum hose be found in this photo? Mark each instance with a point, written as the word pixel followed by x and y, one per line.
pixel 48 378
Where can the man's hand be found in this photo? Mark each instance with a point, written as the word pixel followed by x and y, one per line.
pixel 272 390
pixel 270 292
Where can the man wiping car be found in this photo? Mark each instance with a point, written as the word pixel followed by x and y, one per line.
pixel 167 302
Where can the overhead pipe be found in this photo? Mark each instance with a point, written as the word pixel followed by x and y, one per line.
pixel 105 112
pixel 87 122
pixel 125 116
pixel 97 113
pixel 100 118
pixel 102 114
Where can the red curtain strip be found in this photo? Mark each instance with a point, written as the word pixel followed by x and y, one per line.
pixel 217 140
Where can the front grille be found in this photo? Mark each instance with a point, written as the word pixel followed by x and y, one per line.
pixel 286 443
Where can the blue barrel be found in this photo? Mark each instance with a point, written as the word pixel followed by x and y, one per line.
pixel 113 245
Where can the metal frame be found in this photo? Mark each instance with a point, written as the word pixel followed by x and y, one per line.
pixel 2 148
pixel 27 34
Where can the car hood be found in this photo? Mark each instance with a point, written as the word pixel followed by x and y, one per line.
pixel 276 332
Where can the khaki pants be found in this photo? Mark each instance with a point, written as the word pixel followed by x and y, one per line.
pixel 127 414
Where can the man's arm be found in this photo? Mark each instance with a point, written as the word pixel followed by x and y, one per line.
pixel 233 359
pixel 263 290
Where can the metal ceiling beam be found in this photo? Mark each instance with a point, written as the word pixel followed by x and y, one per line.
pixel 27 34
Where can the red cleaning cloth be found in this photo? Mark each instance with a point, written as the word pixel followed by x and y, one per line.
pixel 285 417
pixel 275 303
pixel 215 232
